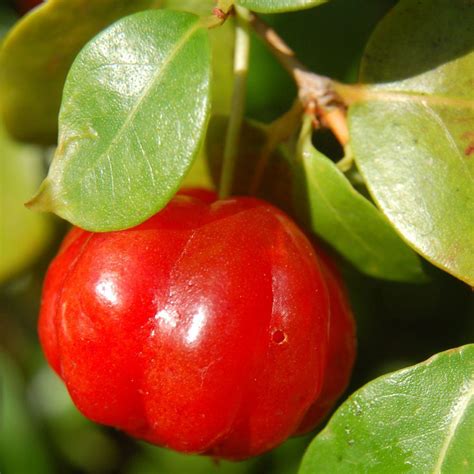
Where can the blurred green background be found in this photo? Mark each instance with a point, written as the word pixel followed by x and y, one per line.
pixel 398 325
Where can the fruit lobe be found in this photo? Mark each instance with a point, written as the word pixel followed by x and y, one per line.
pixel 341 348
pixel 205 329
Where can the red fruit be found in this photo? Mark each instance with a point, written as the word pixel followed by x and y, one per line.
pixel 205 329
pixel 342 348
pixel 204 195
pixel 24 6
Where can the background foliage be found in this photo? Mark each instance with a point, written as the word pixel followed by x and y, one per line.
pixel 399 324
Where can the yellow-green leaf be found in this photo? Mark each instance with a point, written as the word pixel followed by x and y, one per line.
pixel 412 129
pixel 351 224
pixel 37 54
pixel 278 6
pixel 135 109
pixel 23 234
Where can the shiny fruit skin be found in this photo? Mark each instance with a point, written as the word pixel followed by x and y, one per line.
pixel 205 329
pixel 342 341
pixel 342 347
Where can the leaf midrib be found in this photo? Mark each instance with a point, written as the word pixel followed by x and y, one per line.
pixel 366 93
pixel 456 420
pixel 144 95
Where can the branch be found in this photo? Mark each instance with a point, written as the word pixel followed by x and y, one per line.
pixel 317 93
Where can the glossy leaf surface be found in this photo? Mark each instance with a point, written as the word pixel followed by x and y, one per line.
pixel 278 6
pixel 134 112
pixel 419 419
pixel 349 222
pixel 413 129
pixel 37 55
pixel 222 43
pixel 23 234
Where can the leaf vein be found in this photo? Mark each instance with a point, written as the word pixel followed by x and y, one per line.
pixel 449 138
pixel 147 90
pixel 461 408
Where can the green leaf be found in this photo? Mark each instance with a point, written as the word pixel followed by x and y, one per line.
pixel 418 420
pixel 23 234
pixel 37 55
pixel 134 113
pixel 222 44
pixel 412 131
pixel 198 7
pixel 344 218
pixel 278 6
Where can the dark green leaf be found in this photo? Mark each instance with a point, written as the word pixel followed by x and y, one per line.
pixel 419 419
pixel 7 20
pixel 278 6
pixel 23 234
pixel 37 55
pixel 413 131
pixel 350 223
pixel 275 182
pixel 134 112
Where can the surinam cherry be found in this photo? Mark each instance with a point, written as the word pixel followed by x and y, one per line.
pixel 214 327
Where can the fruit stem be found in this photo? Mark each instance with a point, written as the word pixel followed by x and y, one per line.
pixel 241 59
pixel 317 93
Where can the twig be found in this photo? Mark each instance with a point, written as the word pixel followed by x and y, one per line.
pixel 317 93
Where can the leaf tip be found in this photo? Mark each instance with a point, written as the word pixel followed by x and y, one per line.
pixel 43 200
